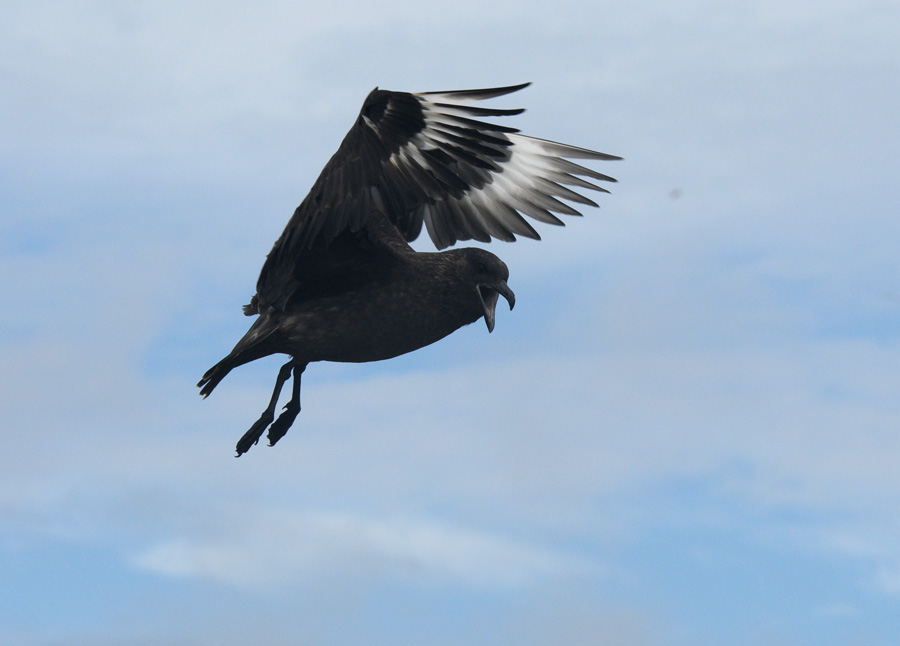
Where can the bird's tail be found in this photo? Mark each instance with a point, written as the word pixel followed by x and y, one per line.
pixel 214 375
pixel 254 345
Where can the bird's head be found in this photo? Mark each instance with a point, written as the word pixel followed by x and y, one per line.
pixel 489 275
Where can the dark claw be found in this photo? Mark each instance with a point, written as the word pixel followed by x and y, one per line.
pixel 252 436
pixel 283 423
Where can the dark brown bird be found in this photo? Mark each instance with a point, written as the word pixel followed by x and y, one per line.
pixel 342 282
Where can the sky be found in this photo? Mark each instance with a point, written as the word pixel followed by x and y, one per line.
pixel 686 433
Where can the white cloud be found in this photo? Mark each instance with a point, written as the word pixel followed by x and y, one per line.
pixel 279 548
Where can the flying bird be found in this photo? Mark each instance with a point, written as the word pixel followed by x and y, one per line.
pixel 342 283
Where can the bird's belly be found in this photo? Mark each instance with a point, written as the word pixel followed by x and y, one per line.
pixel 364 331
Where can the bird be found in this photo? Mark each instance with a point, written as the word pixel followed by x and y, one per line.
pixel 342 283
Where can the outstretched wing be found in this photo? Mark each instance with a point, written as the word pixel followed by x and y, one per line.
pixel 426 157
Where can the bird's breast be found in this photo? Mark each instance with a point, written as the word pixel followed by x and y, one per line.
pixel 379 322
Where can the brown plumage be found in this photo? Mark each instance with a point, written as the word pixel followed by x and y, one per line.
pixel 342 284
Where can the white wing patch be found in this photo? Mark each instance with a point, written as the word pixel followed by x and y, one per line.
pixel 506 174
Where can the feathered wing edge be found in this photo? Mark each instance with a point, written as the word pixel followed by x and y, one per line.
pixel 477 94
pixel 509 174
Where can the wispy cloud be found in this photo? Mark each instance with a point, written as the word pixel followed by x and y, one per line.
pixel 283 547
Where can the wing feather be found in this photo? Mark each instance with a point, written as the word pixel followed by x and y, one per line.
pixel 428 158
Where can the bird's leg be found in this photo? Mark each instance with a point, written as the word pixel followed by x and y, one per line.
pixel 284 421
pixel 252 436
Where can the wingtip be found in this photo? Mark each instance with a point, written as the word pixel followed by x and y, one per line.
pixel 509 89
pixel 478 94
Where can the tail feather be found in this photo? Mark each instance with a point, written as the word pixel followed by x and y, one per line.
pixel 214 375
pixel 255 344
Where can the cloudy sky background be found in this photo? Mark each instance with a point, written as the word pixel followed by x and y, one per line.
pixel 687 432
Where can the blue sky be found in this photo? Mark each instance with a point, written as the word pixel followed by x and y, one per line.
pixel 687 432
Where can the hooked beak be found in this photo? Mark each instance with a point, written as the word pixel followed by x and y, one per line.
pixel 489 294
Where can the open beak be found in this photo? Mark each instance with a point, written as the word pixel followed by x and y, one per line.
pixel 489 295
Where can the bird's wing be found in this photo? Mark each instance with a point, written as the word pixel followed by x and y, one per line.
pixel 349 260
pixel 427 157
